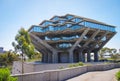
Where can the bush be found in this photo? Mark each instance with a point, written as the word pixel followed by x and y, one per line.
pixel 8 58
pixel 118 76
pixel 61 67
pixel 76 65
pixel 5 75
pixel 80 63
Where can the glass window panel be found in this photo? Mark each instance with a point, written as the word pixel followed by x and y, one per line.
pixel 51 28
pixel 36 29
pixel 69 17
pixel 55 18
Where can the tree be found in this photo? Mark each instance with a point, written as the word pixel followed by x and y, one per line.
pixel 111 51
pixel 8 58
pixel 23 43
pixel 5 75
pixel 115 57
pixel 103 51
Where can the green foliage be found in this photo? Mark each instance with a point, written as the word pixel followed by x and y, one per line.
pixel 111 51
pixel 23 43
pixel 72 65
pixel 115 57
pixel 8 58
pixel 118 76
pixel 5 75
pixel 61 67
pixel 103 51
pixel 76 65
pixel 37 55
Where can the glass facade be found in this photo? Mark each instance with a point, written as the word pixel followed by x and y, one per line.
pixel 36 29
pixel 69 17
pixel 62 38
pixel 64 45
pixel 76 20
pixel 71 26
pixel 75 27
pixel 61 23
pixel 46 23
pixel 99 26
pixel 56 18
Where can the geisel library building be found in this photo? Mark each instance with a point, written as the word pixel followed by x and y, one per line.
pixel 70 38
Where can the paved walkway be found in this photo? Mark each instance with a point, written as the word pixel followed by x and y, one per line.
pixel 97 76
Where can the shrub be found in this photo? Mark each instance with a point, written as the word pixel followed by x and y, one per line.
pixel 80 63
pixel 61 67
pixel 76 65
pixel 70 66
pixel 5 75
pixel 118 76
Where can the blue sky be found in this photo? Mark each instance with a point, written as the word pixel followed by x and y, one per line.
pixel 15 14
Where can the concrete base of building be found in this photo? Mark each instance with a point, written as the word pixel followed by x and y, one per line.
pixel 63 74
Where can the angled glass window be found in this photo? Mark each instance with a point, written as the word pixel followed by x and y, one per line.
pixel 62 27
pixel 55 39
pixel 81 23
pixel 47 23
pixel 61 21
pixel 75 27
pixel 104 38
pixel 77 36
pixel 69 17
pixel 76 20
pixel 64 45
pixel 46 38
pixel 99 26
pixel 51 28
pixel 68 38
pixel 68 25
pixel 45 29
pixel 56 18
pixel 36 29
pixel 56 28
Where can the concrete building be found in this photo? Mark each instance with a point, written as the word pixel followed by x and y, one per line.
pixel 2 50
pixel 70 38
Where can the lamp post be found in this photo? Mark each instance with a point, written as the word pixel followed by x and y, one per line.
pixel 22 64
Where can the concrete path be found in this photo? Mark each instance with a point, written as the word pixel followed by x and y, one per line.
pixel 97 76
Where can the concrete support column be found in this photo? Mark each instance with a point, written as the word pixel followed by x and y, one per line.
pixel 88 56
pixel 55 57
pixel 96 56
pixel 49 58
pixel 81 56
pixel 44 58
pixel 71 56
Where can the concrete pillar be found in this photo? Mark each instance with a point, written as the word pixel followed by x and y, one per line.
pixel 49 58
pixel 81 56
pixel 71 56
pixel 55 57
pixel 96 56
pixel 88 56
pixel 44 58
